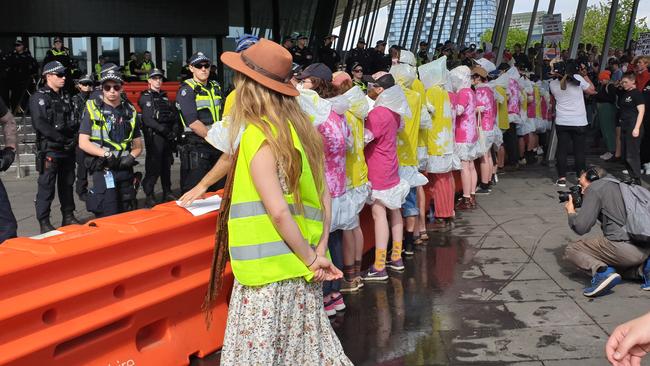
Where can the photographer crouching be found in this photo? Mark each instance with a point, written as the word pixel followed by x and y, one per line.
pixel 612 254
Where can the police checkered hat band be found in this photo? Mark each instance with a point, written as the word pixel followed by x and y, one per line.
pixel 86 79
pixel 108 67
pixel 198 57
pixel 53 67
pixel 155 72
pixel 111 75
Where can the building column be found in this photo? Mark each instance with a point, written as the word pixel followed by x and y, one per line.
pixel 454 25
pixel 418 25
pixel 608 33
pixel 351 41
pixel 464 25
pixel 504 33
pixel 375 14
pixel 531 26
pixel 344 26
pixel 496 31
pixel 577 28
pixel 442 21
pixel 433 22
pixel 391 12
pixel 631 25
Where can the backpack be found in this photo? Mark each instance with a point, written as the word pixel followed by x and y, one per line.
pixel 637 210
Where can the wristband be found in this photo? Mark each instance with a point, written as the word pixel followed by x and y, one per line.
pixel 314 261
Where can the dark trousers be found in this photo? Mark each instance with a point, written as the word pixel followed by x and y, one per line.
pixel 334 244
pixel 104 201
pixel 81 185
pixel 631 151
pixel 510 142
pixel 57 175
pixel 158 163
pixel 196 162
pixel 18 95
pixel 8 225
pixel 645 140
pixel 570 135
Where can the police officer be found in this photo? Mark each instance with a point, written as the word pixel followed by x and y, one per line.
pixel 61 54
pixel 8 223
pixel 145 66
pixel 131 68
pixel 55 142
pixel 327 54
pixel 357 54
pixel 199 102
pixel 376 58
pixel 110 137
pixel 423 53
pixel 85 87
pixel 21 67
pixel 159 118
pixel 302 55
pixel 101 60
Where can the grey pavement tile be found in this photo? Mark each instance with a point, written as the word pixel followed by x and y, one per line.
pixel 527 344
pixel 549 313
pixel 504 255
pixel 583 362
pixel 493 315
pixel 515 271
pixel 624 303
pixel 533 290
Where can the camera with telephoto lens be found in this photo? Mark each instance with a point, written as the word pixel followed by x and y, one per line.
pixel 575 192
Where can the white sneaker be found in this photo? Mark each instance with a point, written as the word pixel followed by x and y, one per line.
pixel 624 171
pixel 540 151
pixel 606 156
pixel 646 167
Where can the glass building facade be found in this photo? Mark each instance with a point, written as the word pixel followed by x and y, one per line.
pixel 482 18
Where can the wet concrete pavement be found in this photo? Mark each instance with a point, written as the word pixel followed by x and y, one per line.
pixel 494 290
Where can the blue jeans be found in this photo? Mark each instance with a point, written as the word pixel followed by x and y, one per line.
pixel 410 207
pixel 334 244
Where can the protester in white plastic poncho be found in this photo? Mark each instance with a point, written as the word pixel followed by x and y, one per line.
pixel 466 134
pixel 388 190
pixel 407 142
pixel 440 143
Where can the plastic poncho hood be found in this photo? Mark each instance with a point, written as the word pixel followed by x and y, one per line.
pixel 358 102
pixel 434 72
pixel 394 99
pixel 317 108
pixel 404 74
pixel 460 78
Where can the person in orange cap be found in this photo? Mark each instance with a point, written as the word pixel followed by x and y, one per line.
pixel 276 186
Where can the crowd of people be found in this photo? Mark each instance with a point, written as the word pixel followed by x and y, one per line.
pixel 304 142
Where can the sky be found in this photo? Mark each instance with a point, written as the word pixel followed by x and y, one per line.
pixel 566 7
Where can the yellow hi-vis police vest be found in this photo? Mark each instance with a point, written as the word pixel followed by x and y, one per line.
pixel 127 69
pixel 146 67
pixel 205 99
pixel 100 132
pixel 258 255
pixel 58 53
pixel 98 70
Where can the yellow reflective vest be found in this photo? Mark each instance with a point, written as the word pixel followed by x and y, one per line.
pixel 258 255
pixel 206 98
pixel 100 132
pixel 407 139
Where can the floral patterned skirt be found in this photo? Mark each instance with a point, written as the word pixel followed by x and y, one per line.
pixel 282 323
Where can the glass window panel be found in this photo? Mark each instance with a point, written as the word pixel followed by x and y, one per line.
pixel 174 56
pixel 110 47
pixel 142 44
pixel 206 45
pixel 41 46
pixel 79 52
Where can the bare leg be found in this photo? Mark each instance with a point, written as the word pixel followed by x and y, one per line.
pixel 381 225
pixel 349 246
pixel 466 177
pixel 422 218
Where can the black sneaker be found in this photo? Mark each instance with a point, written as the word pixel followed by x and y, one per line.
pixel 483 191
pixel 408 249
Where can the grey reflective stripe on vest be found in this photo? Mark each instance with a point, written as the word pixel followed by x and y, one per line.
pixel 202 104
pixel 249 252
pixel 256 208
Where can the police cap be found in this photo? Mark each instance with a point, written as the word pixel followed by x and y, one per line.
pixel 88 78
pixel 156 72
pixel 108 67
pixel 380 42
pixel 19 42
pixel 53 67
pixel 57 39
pixel 112 75
pixel 302 37
pixel 198 58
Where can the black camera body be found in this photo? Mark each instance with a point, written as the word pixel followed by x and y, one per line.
pixel 575 192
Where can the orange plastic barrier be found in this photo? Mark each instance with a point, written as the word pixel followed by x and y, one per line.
pixel 122 290
pixel 134 88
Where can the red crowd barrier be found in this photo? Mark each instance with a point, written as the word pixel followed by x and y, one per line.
pixel 134 88
pixel 121 290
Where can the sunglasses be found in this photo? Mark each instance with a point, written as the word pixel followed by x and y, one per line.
pixel 116 87
pixel 86 84
pixel 59 74
pixel 202 66
pixel 357 70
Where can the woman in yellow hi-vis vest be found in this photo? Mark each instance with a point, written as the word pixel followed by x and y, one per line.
pixel 277 211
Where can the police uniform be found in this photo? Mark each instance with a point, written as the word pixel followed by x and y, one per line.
pixel 62 56
pixel 55 143
pixel 78 108
pixel 114 129
pixel 302 56
pixel 328 55
pixel 8 225
pixel 197 102
pixel 20 69
pixel 159 119
pixel 423 55
pixel 355 55
pixel 146 66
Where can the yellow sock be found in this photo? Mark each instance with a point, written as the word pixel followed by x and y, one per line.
pixel 396 252
pixel 380 259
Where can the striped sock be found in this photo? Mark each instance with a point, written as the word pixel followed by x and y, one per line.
pixel 348 272
pixel 357 268
pixel 396 252
pixel 380 259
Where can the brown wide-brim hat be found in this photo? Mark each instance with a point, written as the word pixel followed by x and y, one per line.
pixel 267 63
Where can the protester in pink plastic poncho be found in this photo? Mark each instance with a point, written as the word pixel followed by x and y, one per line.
pixel 466 134
pixel 486 107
